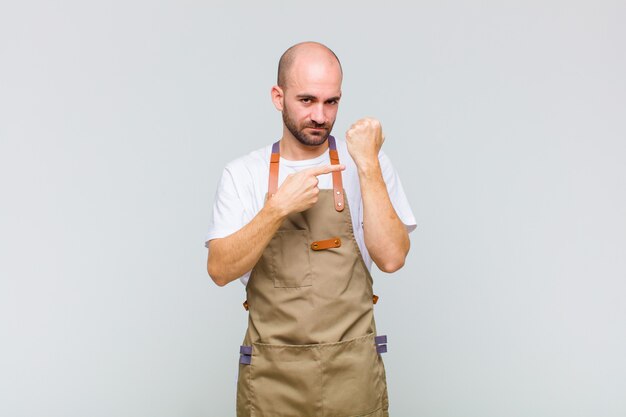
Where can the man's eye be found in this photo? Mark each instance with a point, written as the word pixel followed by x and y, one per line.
pixel 305 100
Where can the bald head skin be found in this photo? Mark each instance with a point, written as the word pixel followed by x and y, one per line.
pixel 304 53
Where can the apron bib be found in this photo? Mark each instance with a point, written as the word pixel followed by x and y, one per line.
pixel 311 349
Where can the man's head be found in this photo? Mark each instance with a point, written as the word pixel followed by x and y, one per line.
pixel 308 91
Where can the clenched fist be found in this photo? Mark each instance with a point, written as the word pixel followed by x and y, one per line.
pixel 365 138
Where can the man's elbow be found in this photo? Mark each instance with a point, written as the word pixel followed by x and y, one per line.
pixel 395 260
pixel 216 275
pixel 391 266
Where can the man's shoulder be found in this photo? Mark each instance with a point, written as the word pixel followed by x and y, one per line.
pixel 250 163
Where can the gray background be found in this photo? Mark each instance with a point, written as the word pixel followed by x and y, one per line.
pixel 505 120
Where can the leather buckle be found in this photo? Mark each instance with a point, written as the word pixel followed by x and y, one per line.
pixel 334 242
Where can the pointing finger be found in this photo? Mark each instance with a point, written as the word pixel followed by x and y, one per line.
pixel 325 169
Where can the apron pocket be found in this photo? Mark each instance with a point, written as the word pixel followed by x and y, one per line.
pixel 353 378
pixel 289 249
pixel 286 381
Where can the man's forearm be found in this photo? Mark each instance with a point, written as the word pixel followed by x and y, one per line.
pixel 386 238
pixel 232 256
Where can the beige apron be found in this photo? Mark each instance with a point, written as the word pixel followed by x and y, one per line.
pixel 311 348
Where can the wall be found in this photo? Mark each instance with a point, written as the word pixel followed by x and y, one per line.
pixel 505 121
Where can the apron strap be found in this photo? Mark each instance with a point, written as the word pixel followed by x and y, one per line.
pixel 337 181
pixel 245 355
pixel 274 159
pixel 381 344
pixel 334 160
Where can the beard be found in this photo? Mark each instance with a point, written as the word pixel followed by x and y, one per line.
pixel 311 138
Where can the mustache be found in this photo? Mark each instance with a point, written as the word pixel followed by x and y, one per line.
pixel 318 126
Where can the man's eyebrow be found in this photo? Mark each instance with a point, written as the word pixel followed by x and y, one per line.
pixel 311 96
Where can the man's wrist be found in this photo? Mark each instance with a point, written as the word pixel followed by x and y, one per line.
pixel 369 168
pixel 275 210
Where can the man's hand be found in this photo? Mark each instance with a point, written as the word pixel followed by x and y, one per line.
pixel 299 191
pixel 365 138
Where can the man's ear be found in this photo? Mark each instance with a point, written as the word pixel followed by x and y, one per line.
pixel 278 97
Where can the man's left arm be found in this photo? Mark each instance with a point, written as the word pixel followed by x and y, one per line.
pixel 386 237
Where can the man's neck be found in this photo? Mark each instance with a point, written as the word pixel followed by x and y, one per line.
pixel 292 150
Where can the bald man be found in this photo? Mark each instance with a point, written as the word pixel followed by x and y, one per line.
pixel 300 222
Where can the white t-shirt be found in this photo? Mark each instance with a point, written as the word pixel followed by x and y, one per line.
pixel 241 192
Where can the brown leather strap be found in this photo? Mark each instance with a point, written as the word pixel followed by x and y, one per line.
pixel 337 180
pixel 245 305
pixel 375 299
pixel 273 181
pixel 334 242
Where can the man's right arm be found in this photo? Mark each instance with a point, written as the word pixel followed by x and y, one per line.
pixel 232 256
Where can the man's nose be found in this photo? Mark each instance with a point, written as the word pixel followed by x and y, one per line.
pixel 317 114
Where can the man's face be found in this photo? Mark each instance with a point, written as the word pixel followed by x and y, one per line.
pixel 311 101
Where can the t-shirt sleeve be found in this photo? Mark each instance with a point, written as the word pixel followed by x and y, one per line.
pixel 396 193
pixel 228 209
pixel 229 213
